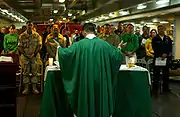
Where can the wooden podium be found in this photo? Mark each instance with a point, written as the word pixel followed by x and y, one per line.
pixel 8 87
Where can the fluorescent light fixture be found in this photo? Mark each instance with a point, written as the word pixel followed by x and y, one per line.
pixel 152 26
pixel 137 24
pixel 60 21
pixel 55 11
pixel 124 12
pixel 61 1
pixel 96 19
pixel 149 23
pixel 64 18
pixel 74 17
pixel 22 1
pixel 16 17
pixel 4 10
pixel 155 20
pixel 101 17
pixel 83 12
pixel 106 17
pixel 141 6
pixel 91 20
pixel 28 10
pixel 142 22
pixel 160 2
pixel 172 24
pixel 164 22
pixel 47 5
pixel 111 14
pixel 86 21
pixel 10 14
pixel 69 14
pixel 3 13
pixel 51 19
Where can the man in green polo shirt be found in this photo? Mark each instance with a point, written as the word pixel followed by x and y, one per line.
pixel 11 41
pixel 132 42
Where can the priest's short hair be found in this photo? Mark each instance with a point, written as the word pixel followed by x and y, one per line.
pixel 89 27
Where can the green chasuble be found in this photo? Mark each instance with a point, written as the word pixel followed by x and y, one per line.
pixel 132 42
pixel 89 71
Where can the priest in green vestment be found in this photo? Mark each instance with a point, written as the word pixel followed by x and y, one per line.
pixel 90 69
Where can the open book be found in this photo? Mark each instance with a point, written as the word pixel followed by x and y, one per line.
pixel 6 59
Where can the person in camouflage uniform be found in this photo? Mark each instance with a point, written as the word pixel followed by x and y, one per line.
pixel 29 46
pixel 51 46
pixel 120 30
pixel 110 36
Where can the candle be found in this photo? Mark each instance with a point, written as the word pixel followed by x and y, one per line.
pixel 50 61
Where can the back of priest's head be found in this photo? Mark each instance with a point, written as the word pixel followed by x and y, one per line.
pixel 89 28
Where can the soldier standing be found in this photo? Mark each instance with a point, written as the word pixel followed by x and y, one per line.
pixel 51 46
pixel 110 37
pixel 120 30
pixel 29 46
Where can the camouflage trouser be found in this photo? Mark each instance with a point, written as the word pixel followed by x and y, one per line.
pixel 30 70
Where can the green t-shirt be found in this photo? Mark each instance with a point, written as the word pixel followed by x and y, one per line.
pixel 11 42
pixel 132 42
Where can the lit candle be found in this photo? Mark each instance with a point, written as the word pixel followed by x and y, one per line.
pixel 50 61
pixel 132 60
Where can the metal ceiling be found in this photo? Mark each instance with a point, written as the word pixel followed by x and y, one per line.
pixel 42 10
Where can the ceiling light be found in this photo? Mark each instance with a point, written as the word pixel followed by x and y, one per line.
pixel 96 19
pixel 159 2
pixel 106 17
pixel 5 11
pixel 60 21
pixel 152 26
pixel 64 18
pixel 123 12
pixel 69 14
pixel 164 22
pixel 55 11
pixel 142 22
pixel 83 12
pixel 51 20
pixel 91 20
pixel 86 21
pixel 155 20
pixel 141 6
pixel 10 14
pixel 61 1
pixel 111 14
pixel 74 17
pixel 149 23
pixel 28 10
pixel 137 24
pixel 47 5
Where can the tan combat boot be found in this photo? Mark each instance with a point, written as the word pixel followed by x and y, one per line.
pixel 35 91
